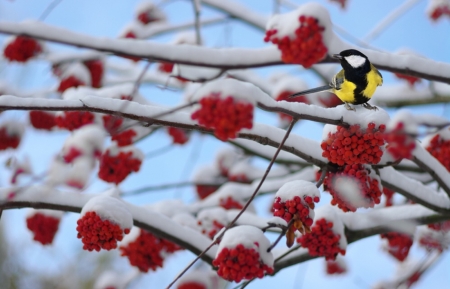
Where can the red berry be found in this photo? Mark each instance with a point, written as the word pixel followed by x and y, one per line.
pixel 440 149
pixel 125 137
pixel 71 120
pixel 21 49
pixel 398 244
pixel 115 167
pixel 43 227
pixel 179 136
pixel 42 120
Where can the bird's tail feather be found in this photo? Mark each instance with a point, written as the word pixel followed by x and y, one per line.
pixel 312 90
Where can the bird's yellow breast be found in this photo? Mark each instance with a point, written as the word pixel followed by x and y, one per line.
pixel 374 79
pixel 346 93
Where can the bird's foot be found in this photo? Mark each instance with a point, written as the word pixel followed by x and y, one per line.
pixel 348 107
pixel 368 106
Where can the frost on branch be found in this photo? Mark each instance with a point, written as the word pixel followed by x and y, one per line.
pixel 116 163
pixel 10 134
pixel 353 187
pixel 242 254
pixel 438 8
pixel 43 224
pixel 397 245
pixel 302 35
pixel 146 251
pixel 336 267
pixel 295 201
pixel 21 48
pixel 438 145
pixel 400 135
pixel 226 106
pixel 327 237
pixel 86 141
pixel 103 221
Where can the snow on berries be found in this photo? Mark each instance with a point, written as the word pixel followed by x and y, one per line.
pixel 438 145
pixel 226 106
pixel 74 75
pixel 207 180
pixel 147 12
pixel 21 48
pixel 294 201
pixel 178 135
pixel 44 225
pixel 354 144
pixel 302 35
pixel 353 187
pixel 400 144
pixel 226 158
pixel 72 120
pixel 336 267
pixel 86 141
pixel 103 222
pixel 398 244
pixel 144 250
pixel 96 69
pixel 438 8
pixel 198 279
pixel 212 220
pixel 441 226
pixel 432 239
pixel 389 196
pixel 285 87
pixel 79 172
pixel 327 237
pixel 10 134
pixel 124 138
pixel 116 163
pixel 242 254
pixel 229 196
pixel 44 120
pixel 112 123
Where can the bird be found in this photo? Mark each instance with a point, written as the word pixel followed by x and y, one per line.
pixel 355 83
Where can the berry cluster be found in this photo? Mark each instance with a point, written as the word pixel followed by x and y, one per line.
pixel 353 145
pixel 72 154
pixel 230 203
pixel 430 243
pixel 204 191
pixel 166 67
pixel 131 35
pixel 191 285
pixel 398 244
pixel 285 96
pixel 8 140
pixel 147 251
pixel 410 79
pixel 442 226
pixel 367 188
pixel 68 82
pixel 179 136
pixel 96 70
pixel 399 143
pixel 43 227
pixel 226 115
pixel 97 234
pixel 334 268
pixel 213 229
pixel 112 123
pixel 389 194
pixel 72 120
pixel 295 208
pixel 440 11
pixel 240 263
pixel 125 137
pixel 239 178
pixel 322 241
pixel 21 49
pixel 307 48
pixel 440 149
pixel 330 101
pixel 42 120
pixel 115 168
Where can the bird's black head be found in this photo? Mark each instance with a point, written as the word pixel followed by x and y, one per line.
pixel 352 59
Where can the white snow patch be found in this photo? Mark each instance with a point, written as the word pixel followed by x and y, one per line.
pixel 409 122
pixel 169 207
pixel 88 139
pixel 50 213
pixel 208 174
pixel 298 188
pixel 229 87
pixel 288 83
pixel 77 70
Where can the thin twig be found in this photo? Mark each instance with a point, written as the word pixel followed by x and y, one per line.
pixel 322 177
pixel 159 151
pixel 49 9
pixel 283 232
pixel 174 109
pixel 244 208
pixel 197 8
pixel 139 79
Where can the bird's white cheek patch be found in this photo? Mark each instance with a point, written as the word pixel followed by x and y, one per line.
pixel 355 60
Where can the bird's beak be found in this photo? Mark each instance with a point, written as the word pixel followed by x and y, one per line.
pixel 336 56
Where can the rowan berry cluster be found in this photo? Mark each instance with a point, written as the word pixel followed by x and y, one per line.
pixel 112 123
pixel 21 49
pixel 239 178
pixel 72 154
pixel 96 70
pixel 230 203
pixel 410 79
pixel 430 243
pixel 213 229
pixel 240 263
pixel 42 120
pixel 227 116
pixel 72 120
pixel 440 149
pixel 8 140
pixel 353 145
pixel 147 251
pixel 398 244
pixel 367 188
pixel 440 11
pixel 285 96
pixel 165 67
pixel 322 241
pixel 389 194
pixel 442 226
pixel 204 191
pixel 307 48
pixel 43 227
pixel 334 268
pixel 115 168
pixel 125 137
pixel 295 208
pixel 179 136
pixel 97 234
pixel 191 285
pixel 399 143
pixel 68 82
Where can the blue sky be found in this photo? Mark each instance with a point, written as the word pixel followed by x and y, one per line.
pixel 367 263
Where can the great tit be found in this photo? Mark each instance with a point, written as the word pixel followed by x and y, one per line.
pixel 355 83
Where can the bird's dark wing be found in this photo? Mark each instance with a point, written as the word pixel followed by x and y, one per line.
pixel 337 80
pixel 312 90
